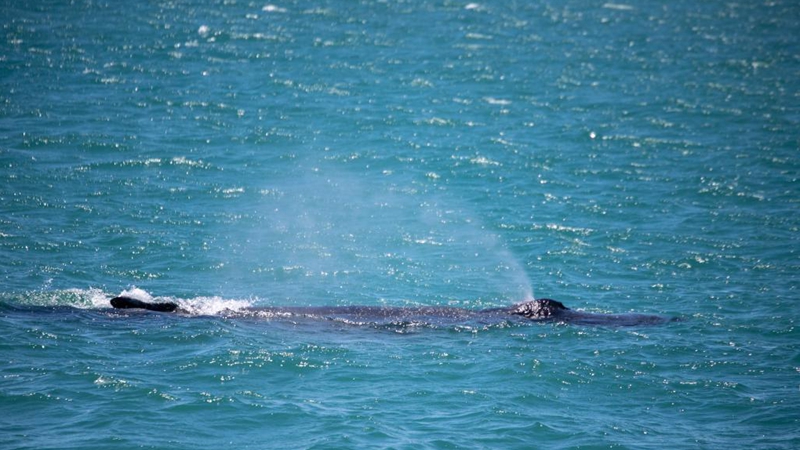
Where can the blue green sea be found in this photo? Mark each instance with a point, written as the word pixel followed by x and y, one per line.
pixel 621 156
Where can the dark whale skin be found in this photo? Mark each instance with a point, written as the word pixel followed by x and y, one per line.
pixel 132 303
pixel 540 310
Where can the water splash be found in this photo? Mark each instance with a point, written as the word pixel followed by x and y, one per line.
pixel 212 306
pixel 197 306
pixel 91 298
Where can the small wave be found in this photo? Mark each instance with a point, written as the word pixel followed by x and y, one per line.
pixel 273 9
pixel 618 6
pixel 91 298
pixel 484 161
pixel 497 101
pixel 159 162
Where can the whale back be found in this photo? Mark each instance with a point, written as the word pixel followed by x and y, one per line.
pixel 543 308
pixel 124 302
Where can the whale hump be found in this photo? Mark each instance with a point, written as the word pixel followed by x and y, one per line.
pixel 542 308
pixel 132 303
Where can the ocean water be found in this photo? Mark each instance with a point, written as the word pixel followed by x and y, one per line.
pixel 632 156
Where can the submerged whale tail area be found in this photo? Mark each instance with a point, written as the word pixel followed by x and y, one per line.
pixel 132 303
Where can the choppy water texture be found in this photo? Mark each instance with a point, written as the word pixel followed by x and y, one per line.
pixel 619 157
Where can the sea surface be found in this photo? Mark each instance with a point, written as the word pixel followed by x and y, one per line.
pixel 638 156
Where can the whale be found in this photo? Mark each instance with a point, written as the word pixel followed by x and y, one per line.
pixel 538 310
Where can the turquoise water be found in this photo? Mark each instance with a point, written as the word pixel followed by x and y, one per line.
pixel 620 157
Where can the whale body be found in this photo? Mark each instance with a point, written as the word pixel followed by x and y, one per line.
pixel 132 303
pixel 541 310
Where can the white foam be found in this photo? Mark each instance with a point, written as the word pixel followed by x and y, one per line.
pixel 96 298
pixel 618 6
pixel 484 161
pixel 211 306
pixel 496 101
pixel 138 294
pixel 182 160
pixel 273 9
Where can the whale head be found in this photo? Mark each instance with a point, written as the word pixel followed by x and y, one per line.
pixel 543 308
